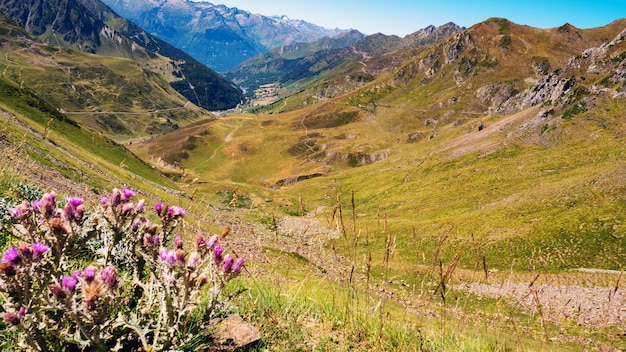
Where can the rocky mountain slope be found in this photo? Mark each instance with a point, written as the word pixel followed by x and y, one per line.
pixel 216 35
pixel 84 25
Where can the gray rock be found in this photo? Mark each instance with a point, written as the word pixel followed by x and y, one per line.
pixel 235 334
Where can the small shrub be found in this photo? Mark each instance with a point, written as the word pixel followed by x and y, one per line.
pixel 108 279
pixel 505 42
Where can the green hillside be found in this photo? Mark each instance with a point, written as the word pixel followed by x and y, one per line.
pixel 468 197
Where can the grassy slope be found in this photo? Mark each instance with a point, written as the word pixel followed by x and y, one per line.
pixel 525 197
pixel 116 96
pixel 78 153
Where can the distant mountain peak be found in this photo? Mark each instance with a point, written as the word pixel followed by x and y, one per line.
pixel 219 36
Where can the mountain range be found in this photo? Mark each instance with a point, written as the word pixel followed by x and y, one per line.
pixel 216 35
pixel 297 66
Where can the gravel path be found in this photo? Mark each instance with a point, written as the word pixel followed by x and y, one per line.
pixel 587 306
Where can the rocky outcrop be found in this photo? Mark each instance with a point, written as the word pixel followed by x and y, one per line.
pixel 550 89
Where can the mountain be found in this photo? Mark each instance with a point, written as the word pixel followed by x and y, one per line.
pixel 83 25
pixel 216 35
pixel 331 66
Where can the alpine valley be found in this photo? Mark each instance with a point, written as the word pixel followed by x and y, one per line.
pixel 454 189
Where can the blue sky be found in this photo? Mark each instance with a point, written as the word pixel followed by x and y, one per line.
pixel 402 17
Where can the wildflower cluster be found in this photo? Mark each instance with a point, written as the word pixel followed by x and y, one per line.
pixel 109 279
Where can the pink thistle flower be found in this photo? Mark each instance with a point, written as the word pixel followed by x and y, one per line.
pixel 158 208
pixel 136 224
pixel 69 284
pixel 21 312
pixel 37 206
pixel 77 274
pixel 175 212
pixel 168 256
pixel 74 209
pixel 104 201
pixel 150 240
pixel 237 266
pixel 228 263
pixel 127 194
pixel 109 276
pixel 39 249
pixel 75 202
pixel 11 255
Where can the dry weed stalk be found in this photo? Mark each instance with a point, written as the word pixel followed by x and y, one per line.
pixel 444 277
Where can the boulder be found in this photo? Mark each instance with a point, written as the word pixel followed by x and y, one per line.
pixel 235 334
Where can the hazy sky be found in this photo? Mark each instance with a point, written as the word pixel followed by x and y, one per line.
pixel 402 17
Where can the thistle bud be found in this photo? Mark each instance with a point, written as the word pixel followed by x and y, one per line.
pixel 57 226
pixel 180 257
pixel 7 269
pixel 217 253
pixel 57 291
pixel 109 276
pixel 140 206
pixel 178 242
pixel 25 251
pixel 237 266
pixel 92 293
pixel 202 280
pixel 228 263
pixel 194 259
pixel 212 242
pixel 22 211
pixel 11 318
pixel 89 274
